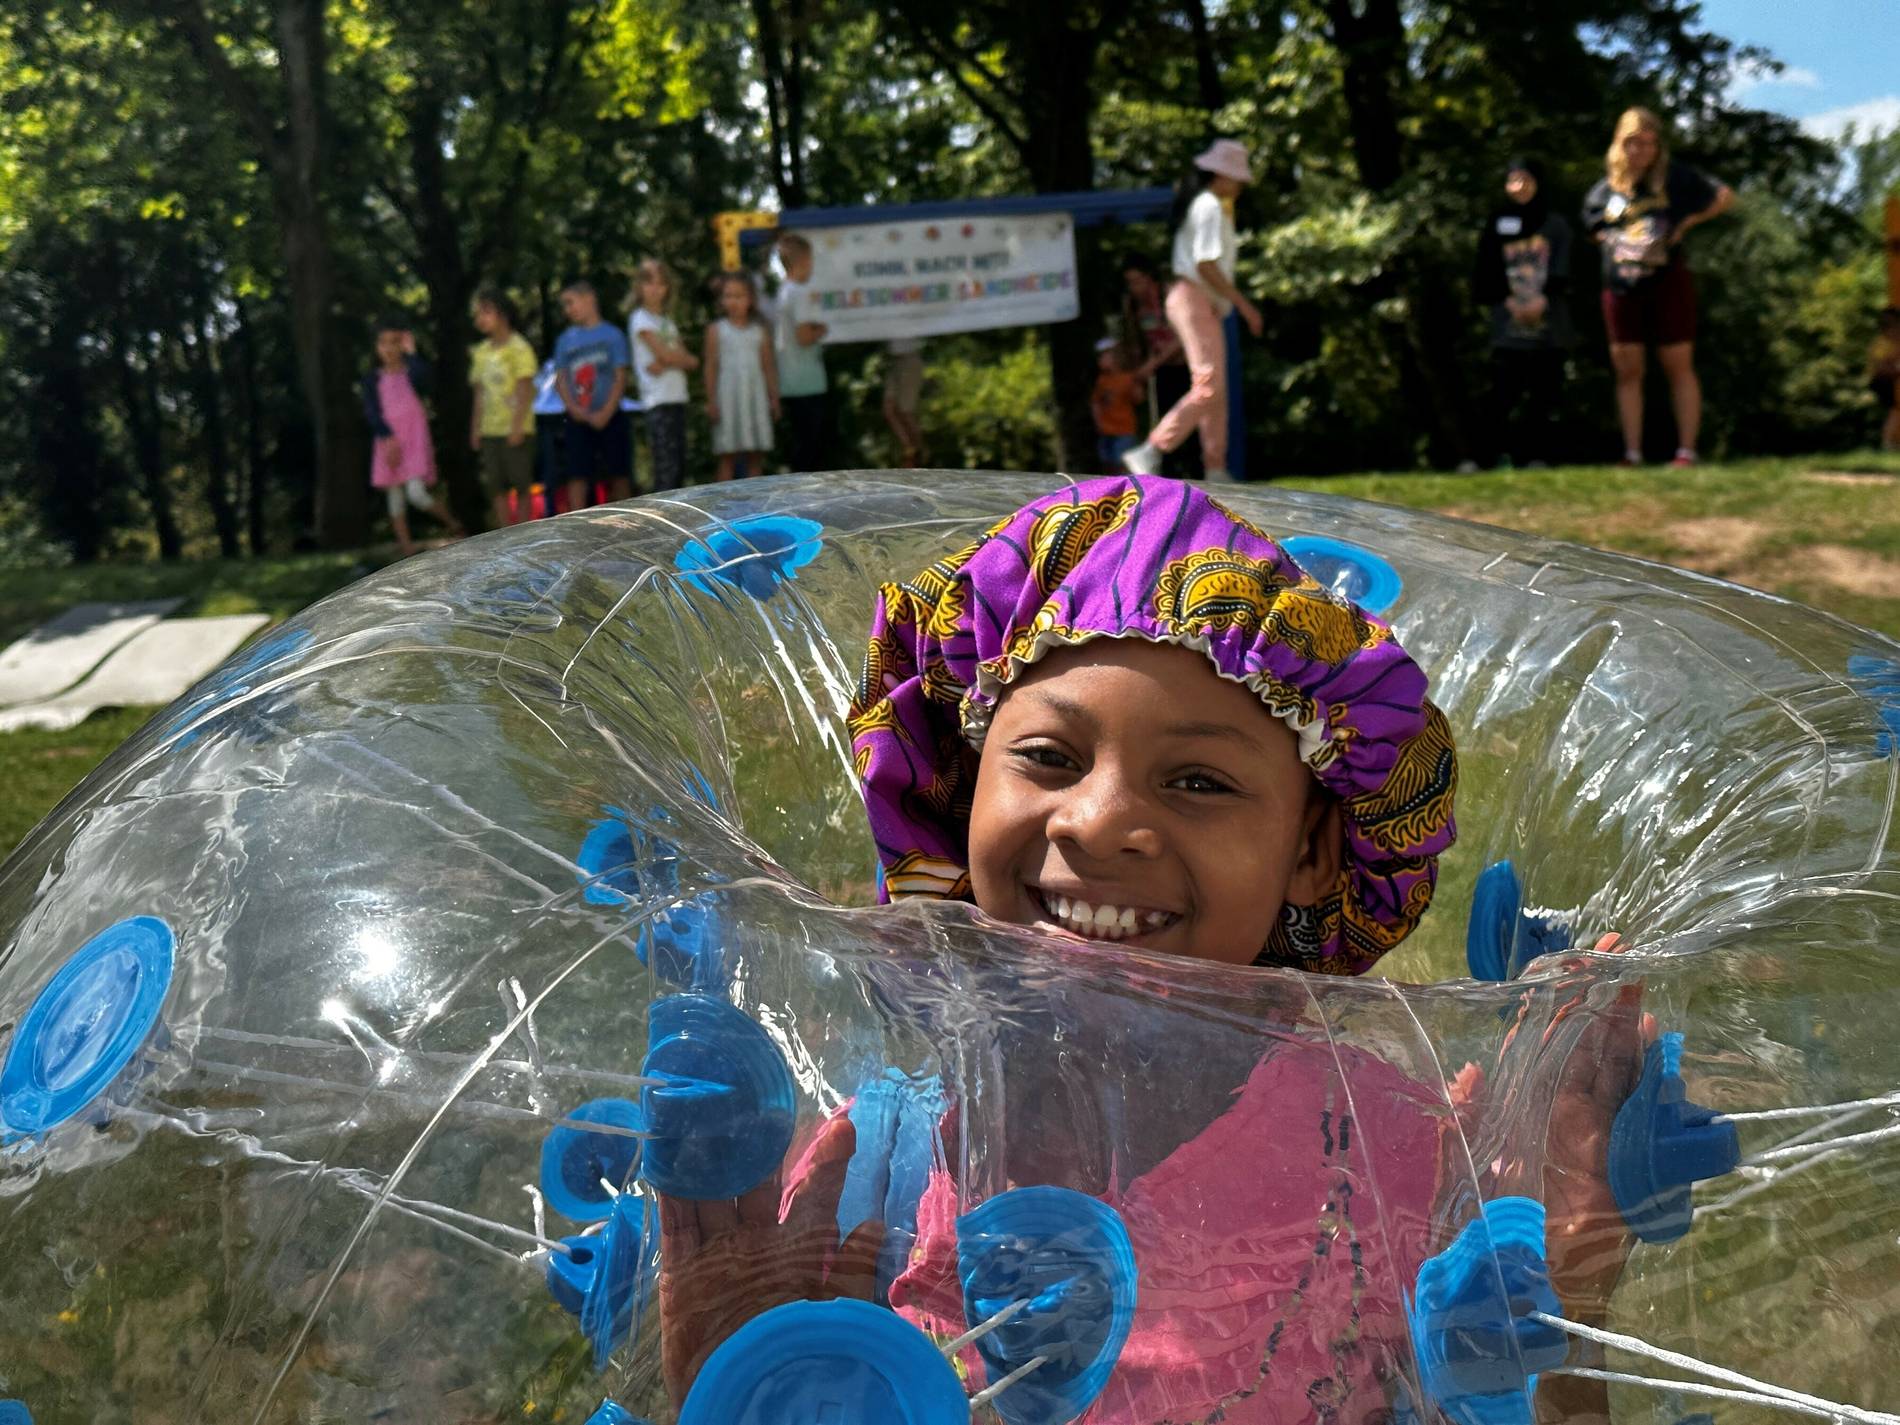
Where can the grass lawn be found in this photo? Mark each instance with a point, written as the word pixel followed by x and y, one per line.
pixel 1824 530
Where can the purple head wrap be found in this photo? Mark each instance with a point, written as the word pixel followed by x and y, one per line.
pixel 1157 559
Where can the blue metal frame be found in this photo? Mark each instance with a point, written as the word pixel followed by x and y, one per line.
pixel 1086 209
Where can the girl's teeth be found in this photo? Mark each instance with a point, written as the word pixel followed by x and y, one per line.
pixel 1103 922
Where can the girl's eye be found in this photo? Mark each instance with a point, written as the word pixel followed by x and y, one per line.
pixel 1049 758
pixel 1201 782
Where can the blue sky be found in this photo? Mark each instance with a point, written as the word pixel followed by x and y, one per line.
pixel 1843 58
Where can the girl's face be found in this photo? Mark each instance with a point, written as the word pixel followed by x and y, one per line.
pixel 1140 285
pixel 735 300
pixel 653 293
pixel 389 348
pixel 1126 792
pixel 1639 151
pixel 1520 185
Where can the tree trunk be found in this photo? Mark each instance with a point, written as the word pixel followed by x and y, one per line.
pixel 1206 67
pixel 208 395
pixel 796 196
pixel 294 154
pixel 255 481
pixel 445 273
pixel 772 71
pixel 1057 102
pixel 1371 44
pixel 138 393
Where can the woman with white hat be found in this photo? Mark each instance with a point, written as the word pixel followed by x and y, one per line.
pixel 1200 299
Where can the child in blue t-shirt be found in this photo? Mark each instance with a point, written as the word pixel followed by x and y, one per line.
pixel 591 360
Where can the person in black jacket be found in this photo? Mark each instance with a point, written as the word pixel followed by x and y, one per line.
pixel 1523 276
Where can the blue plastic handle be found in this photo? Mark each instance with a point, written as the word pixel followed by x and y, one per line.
pixel 1477 1351
pixel 1662 1145
pixel 606 1278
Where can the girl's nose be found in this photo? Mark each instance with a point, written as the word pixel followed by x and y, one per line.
pixel 1103 816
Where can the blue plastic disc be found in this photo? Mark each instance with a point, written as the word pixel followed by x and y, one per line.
pixel 1069 1256
pixel 14 1412
pixel 721 1121
pixel 605 1278
pixel 1662 1145
pixel 573 1161
pixel 608 861
pixel 621 863
pixel 86 1025
pixel 840 1362
pixel 613 1414
pixel 1349 571
pixel 755 553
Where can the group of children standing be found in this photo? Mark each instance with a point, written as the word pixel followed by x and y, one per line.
pixel 756 373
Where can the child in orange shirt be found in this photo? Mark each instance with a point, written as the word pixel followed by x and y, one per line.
pixel 1117 391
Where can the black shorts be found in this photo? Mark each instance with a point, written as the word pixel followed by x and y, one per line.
pixel 604 454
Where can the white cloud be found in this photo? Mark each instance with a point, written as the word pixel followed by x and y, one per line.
pixel 1867 118
pixel 1753 75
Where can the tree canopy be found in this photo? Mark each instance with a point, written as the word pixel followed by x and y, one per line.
pixel 205 205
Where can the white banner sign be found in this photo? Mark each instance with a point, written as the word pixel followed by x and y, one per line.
pixel 926 278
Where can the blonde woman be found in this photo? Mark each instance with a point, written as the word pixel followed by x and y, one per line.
pixel 1639 213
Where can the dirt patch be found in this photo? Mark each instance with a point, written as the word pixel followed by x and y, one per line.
pixel 1715 544
pixel 1850 477
pixel 1855 571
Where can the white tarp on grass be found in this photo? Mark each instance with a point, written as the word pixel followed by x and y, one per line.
pixel 63 650
pixel 154 667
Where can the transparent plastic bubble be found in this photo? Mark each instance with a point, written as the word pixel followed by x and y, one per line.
pixel 529 876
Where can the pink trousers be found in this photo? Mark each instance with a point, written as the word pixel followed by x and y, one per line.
pixel 1195 322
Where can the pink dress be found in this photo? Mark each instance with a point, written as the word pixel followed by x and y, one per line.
pixel 1272 1250
pixel 409 423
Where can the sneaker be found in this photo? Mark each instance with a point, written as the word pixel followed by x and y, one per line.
pixel 1142 459
pixel 1467 467
pixel 1217 476
pixel 1684 459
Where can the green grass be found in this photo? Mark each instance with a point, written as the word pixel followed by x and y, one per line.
pixel 278 587
pixel 1822 529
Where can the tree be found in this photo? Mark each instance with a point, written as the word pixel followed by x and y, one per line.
pixel 289 78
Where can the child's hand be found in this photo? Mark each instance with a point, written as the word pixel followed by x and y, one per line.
pixel 655 368
pixel 775 408
pixel 475 440
pixel 392 452
pixel 712 412
pixel 1587 1237
pixel 723 1263
pixel 408 343
pixel 515 437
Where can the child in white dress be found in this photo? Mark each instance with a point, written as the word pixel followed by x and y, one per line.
pixel 741 379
